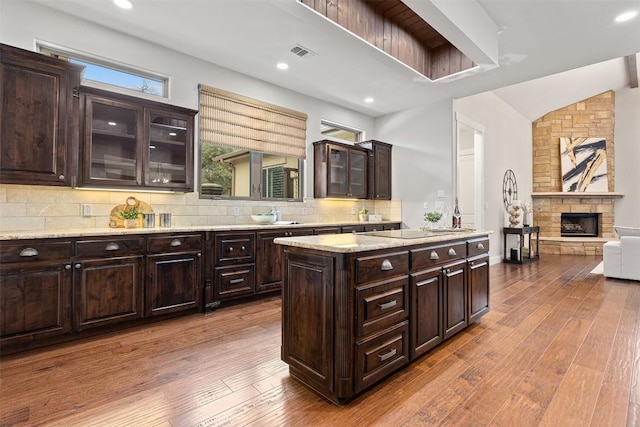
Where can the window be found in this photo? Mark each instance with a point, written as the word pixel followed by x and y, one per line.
pixel 111 73
pixel 249 149
pixel 335 130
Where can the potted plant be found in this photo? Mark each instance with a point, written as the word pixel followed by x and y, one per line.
pixel 364 214
pixel 130 217
pixel 433 217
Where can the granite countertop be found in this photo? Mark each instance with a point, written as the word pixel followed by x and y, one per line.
pixel 368 241
pixel 107 231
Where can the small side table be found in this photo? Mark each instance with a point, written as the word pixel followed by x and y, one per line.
pixel 515 256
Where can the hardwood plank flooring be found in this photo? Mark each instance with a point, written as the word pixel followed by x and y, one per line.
pixel 559 347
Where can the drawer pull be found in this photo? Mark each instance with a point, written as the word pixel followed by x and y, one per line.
pixel 67 267
pixel 112 247
pixel 235 281
pixel 480 246
pixel 243 248
pixel 386 265
pixel 77 266
pixel 434 255
pixel 386 305
pixel 452 252
pixel 389 354
pixel 176 242
pixel 29 252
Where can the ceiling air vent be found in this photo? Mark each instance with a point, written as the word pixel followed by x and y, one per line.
pixel 302 51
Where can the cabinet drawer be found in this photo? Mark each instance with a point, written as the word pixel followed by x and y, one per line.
pixel 381 305
pixel 177 243
pixel 436 255
pixel 378 267
pixel 234 248
pixel 109 247
pixel 477 247
pixel 381 355
pixel 231 282
pixel 34 251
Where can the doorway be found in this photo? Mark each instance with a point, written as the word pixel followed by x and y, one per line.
pixel 469 166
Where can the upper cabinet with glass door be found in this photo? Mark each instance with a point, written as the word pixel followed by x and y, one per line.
pixel 135 143
pixel 340 170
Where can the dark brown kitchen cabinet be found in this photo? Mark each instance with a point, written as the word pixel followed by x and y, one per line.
pixel 234 260
pixel 455 312
pixel 478 278
pixel 379 165
pixel 426 311
pixel 35 292
pixel 128 142
pixel 108 282
pixel 174 274
pixel 37 139
pixel 269 258
pixel 340 170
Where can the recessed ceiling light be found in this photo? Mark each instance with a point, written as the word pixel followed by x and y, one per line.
pixel 626 16
pixel 282 65
pixel 368 100
pixel 124 4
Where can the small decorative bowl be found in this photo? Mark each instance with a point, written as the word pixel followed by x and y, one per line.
pixel 266 218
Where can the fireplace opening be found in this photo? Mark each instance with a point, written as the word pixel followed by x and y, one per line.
pixel 579 225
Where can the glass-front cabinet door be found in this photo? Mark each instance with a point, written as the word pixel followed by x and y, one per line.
pixel 338 173
pixel 135 143
pixel 357 174
pixel 113 138
pixel 168 150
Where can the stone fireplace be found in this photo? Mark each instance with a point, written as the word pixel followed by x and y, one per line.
pixel 593 117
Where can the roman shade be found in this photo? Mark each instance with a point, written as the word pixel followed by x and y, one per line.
pixel 238 121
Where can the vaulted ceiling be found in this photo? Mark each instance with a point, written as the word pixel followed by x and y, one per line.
pixel 510 41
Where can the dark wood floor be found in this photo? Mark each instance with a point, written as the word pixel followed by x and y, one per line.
pixel 560 347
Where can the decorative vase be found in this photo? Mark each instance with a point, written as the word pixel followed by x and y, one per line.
pixel 364 217
pixel 526 219
pixel 130 223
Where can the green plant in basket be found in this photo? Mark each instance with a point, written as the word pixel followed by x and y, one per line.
pixel 131 213
pixel 433 216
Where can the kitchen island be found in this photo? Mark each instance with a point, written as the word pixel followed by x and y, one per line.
pixel 356 308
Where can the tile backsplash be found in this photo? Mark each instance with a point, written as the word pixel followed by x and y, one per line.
pixel 32 208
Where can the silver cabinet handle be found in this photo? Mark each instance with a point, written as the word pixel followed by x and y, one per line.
pixel 480 246
pixel 243 248
pixel 112 247
pixel 78 265
pixel 236 281
pixel 386 265
pixel 199 254
pixel 61 177
pixel 386 305
pixel 67 267
pixel 434 255
pixel 452 252
pixel 176 242
pixel 231 249
pixel 387 355
pixel 29 252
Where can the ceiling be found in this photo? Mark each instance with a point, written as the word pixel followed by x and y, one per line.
pixel 535 38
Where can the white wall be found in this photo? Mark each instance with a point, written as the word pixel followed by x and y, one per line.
pixel 24 23
pixel 627 149
pixel 507 145
pixel 422 157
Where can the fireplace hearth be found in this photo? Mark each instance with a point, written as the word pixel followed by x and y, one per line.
pixel 579 225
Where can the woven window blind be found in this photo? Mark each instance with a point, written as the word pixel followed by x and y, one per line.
pixel 238 121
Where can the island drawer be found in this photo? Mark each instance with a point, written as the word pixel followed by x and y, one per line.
pixel 110 247
pixel 381 355
pixel 377 267
pixel 234 248
pixel 381 305
pixel 177 243
pixel 477 247
pixel 231 282
pixel 435 255
pixel 34 251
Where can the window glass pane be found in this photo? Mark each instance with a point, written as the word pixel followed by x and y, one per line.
pixel 113 77
pixel 339 131
pixel 225 171
pixel 280 177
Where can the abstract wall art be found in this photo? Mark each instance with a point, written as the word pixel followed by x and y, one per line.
pixel 583 164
